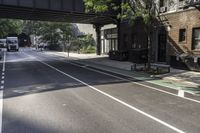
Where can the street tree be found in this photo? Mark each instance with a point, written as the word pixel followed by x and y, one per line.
pixel 130 10
pixel 9 26
pixel 31 27
pixel 55 33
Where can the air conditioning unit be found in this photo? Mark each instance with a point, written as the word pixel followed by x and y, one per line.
pixel 163 9
pixel 181 4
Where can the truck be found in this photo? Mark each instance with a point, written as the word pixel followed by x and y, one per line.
pixel 12 44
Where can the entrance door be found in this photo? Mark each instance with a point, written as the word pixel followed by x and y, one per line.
pixel 162 43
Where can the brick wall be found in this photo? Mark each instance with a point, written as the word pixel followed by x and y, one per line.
pixel 186 19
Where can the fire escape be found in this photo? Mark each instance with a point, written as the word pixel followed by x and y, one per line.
pixel 163 20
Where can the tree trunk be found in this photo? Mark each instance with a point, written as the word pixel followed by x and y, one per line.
pixel 149 47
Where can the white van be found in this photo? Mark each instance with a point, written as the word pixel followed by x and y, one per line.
pixel 12 44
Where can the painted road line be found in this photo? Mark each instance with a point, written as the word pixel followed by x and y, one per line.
pixel 3 77
pixel 1 95
pixel 4 59
pixel 181 93
pixel 153 88
pixel 2 82
pixel 140 84
pixel 115 99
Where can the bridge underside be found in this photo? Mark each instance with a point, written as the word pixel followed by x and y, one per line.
pixel 14 12
pixel 72 11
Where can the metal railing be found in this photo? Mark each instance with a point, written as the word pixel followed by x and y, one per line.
pixel 192 2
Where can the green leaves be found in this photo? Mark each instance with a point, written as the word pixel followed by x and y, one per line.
pixel 9 26
pixel 97 6
pixel 130 10
pixel 84 44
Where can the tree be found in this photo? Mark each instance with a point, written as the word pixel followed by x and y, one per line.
pixel 84 44
pixel 130 10
pixel 55 34
pixel 9 26
pixel 32 27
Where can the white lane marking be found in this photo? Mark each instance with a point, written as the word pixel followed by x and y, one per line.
pixel 4 59
pixel 115 99
pixel 2 82
pixel 181 93
pixel 3 77
pixel 3 73
pixel 153 88
pixel 1 95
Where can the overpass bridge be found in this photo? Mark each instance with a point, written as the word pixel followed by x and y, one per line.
pixel 51 10
pixel 71 11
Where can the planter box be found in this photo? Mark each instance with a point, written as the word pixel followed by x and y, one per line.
pixel 118 55
pixel 138 56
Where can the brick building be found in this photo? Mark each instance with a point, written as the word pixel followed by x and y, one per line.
pixel 183 19
pixel 185 26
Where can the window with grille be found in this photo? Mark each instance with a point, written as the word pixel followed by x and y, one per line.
pixel 182 35
pixel 196 39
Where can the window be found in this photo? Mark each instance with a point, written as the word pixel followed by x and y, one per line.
pixel 133 46
pixel 196 39
pixel 182 35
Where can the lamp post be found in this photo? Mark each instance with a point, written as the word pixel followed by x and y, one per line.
pixel 68 44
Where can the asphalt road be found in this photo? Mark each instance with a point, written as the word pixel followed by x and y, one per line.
pixel 45 94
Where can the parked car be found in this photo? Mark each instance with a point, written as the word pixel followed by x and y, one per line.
pixel 2 43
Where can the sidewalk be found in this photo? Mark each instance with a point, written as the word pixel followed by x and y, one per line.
pixel 176 79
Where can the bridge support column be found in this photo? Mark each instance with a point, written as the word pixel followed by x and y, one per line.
pixel 98 39
pixel 119 34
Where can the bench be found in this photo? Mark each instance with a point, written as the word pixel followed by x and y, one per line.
pixel 157 66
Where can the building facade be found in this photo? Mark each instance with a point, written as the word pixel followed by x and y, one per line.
pixel 176 34
pixel 184 21
pixel 108 35
pixel 182 17
pixel 109 39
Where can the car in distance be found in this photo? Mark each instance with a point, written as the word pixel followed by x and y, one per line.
pixel 2 43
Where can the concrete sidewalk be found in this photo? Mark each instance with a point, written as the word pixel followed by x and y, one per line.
pixel 176 79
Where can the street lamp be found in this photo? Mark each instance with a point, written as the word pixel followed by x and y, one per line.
pixel 168 29
pixel 68 44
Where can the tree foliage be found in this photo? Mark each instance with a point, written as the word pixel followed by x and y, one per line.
pixel 9 26
pixel 53 33
pixel 32 27
pixel 97 6
pixel 130 9
pixel 84 44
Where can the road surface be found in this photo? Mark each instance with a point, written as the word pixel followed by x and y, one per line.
pixel 46 94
